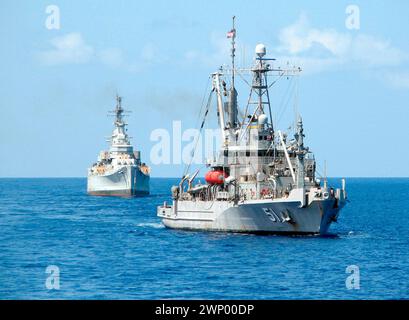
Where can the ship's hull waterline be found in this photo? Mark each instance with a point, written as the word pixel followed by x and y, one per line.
pixel 127 181
pixel 119 193
pixel 268 217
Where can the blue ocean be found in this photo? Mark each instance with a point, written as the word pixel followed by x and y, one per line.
pixel 116 248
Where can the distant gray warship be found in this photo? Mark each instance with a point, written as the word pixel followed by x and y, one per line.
pixel 119 171
pixel 261 181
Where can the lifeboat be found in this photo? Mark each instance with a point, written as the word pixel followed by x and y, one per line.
pixel 215 177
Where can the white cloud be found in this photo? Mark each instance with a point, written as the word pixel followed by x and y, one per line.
pixel 322 49
pixel 220 51
pixel 148 52
pixel 399 79
pixel 300 37
pixel 112 57
pixel 70 48
pixel 376 52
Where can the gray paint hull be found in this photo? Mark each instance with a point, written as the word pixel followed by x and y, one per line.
pixel 126 181
pixel 276 217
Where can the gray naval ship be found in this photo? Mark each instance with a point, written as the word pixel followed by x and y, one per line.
pixel 261 181
pixel 119 171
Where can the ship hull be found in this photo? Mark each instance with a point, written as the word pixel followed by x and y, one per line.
pixel 118 193
pixel 127 181
pixel 264 217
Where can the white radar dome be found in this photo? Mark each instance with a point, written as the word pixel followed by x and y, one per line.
pixel 260 50
pixel 262 119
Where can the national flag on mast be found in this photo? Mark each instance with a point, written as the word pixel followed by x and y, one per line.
pixel 231 33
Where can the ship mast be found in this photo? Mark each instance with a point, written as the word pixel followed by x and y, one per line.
pixel 260 82
pixel 118 112
pixel 233 49
pixel 259 96
pixel 232 104
pixel 119 135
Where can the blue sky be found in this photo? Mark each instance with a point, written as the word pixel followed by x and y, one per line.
pixel 56 86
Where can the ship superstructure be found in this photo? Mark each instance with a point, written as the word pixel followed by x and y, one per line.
pixel 261 181
pixel 119 171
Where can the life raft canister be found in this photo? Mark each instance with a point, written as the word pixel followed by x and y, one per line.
pixel 215 177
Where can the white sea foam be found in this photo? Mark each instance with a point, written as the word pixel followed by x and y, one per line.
pixel 357 235
pixel 154 225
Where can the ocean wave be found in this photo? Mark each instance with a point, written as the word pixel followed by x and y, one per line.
pixel 155 225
